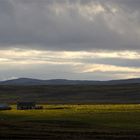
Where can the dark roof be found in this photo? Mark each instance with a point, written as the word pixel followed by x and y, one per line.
pixel 26 103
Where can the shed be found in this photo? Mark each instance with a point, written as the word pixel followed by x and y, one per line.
pixel 26 105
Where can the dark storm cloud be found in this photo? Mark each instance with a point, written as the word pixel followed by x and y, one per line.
pixel 70 24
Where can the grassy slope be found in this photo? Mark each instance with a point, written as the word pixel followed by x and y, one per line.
pixel 73 121
pixel 71 94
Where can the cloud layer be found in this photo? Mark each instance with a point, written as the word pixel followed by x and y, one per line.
pixel 69 64
pixel 74 39
pixel 70 24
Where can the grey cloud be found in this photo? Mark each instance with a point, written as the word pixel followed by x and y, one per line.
pixel 36 24
pixel 58 72
pixel 39 71
pixel 127 3
pixel 114 61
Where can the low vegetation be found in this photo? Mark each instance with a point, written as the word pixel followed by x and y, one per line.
pixel 74 94
pixel 72 122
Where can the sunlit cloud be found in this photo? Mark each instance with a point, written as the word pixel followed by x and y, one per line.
pixel 108 68
pixel 23 54
pixel 78 61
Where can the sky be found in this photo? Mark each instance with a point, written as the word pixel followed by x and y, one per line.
pixel 70 39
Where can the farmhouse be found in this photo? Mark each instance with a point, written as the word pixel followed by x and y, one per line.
pixel 26 105
pixel 5 107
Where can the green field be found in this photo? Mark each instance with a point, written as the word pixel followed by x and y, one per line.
pixel 72 122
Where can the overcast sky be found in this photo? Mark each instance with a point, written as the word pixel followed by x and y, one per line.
pixel 70 39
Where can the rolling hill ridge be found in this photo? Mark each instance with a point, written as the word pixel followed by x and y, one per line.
pixel 30 81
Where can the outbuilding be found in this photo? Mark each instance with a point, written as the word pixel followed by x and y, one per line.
pixel 26 105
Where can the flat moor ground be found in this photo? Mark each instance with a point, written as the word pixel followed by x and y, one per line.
pixel 72 122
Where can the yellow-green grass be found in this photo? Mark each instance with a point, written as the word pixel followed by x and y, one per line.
pixel 109 117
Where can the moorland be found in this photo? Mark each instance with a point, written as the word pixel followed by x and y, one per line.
pixel 72 112
pixel 72 122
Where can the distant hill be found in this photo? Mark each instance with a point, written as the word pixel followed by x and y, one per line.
pixel 29 81
pixel 70 91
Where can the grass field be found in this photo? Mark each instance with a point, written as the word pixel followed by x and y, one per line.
pixel 72 122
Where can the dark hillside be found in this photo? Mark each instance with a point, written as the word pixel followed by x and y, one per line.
pixel 129 93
